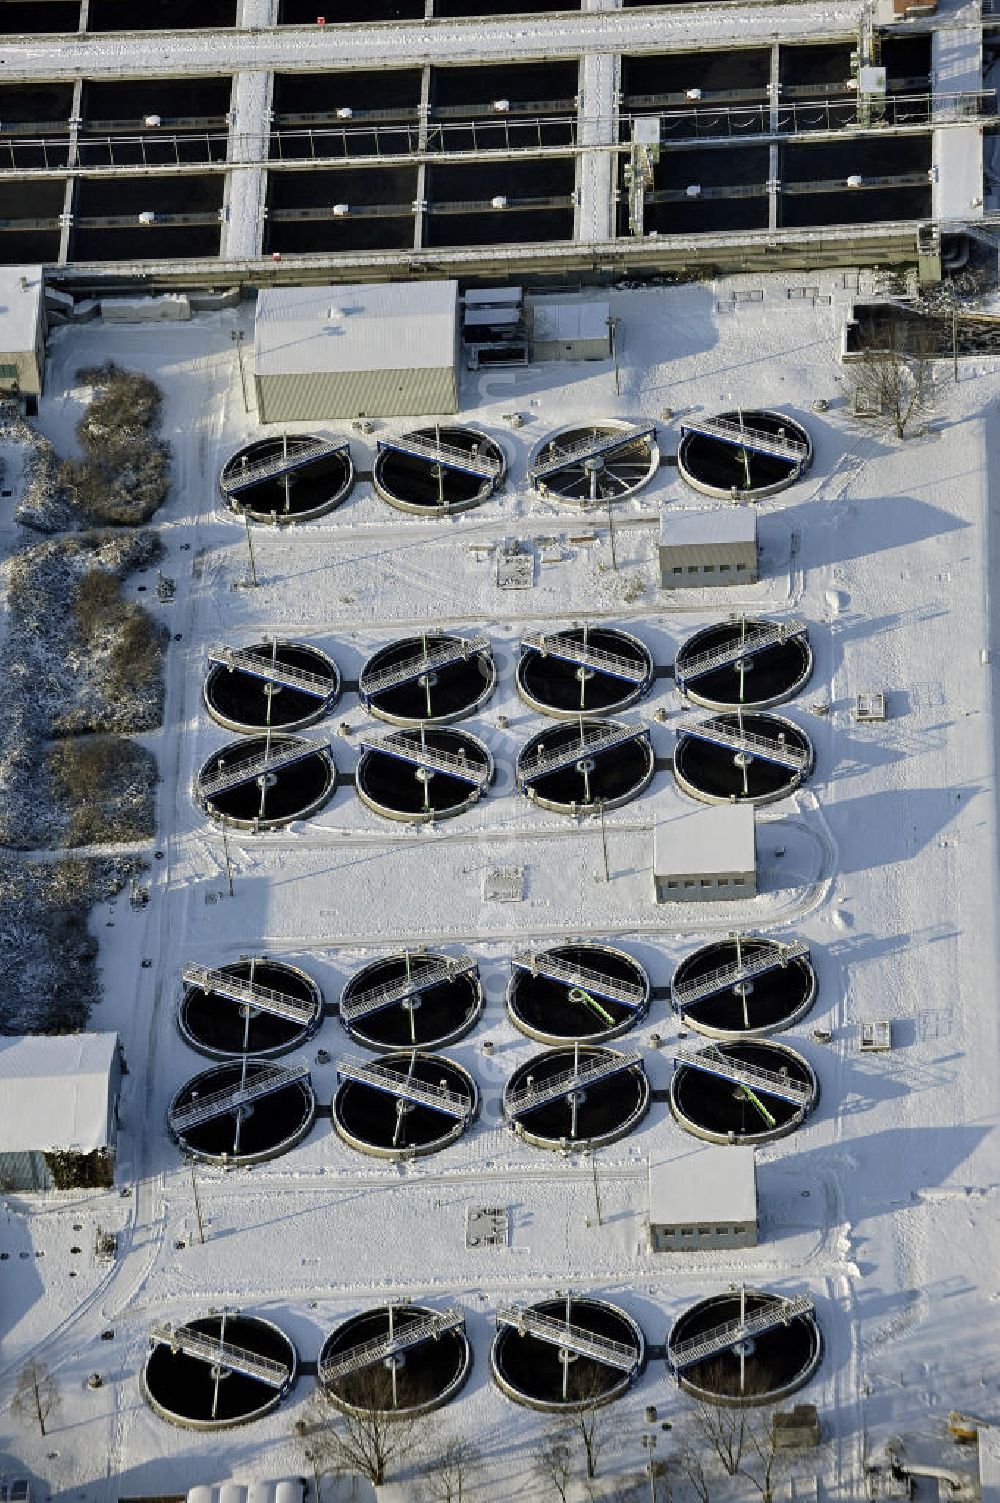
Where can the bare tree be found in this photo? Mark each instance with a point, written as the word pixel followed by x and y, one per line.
pixel 893 383
pixel 761 1459
pixel 554 1462
pixel 587 1419
pixel 36 1395
pixel 452 1469
pixel 737 1441
pixel 365 1440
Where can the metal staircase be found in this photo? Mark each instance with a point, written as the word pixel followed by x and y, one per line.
pixel 570 650
pixel 596 446
pixel 722 1338
pixel 381 1078
pixel 399 1339
pixel 402 746
pixel 740 1072
pixel 539 963
pixel 246 476
pixel 755 440
pixel 265 1081
pixel 687 993
pixel 455 650
pixel 764 748
pixel 219 1353
pixel 761 635
pixel 591 741
pixel 256 665
pixel 569 1082
pixel 448 456
pixel 247 769
pixel 375 998
pixel 219 983
pixel 569 1337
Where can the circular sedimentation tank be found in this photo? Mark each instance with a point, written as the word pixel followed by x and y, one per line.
pixel 286 685
pixel 417 999
pixel 748 1005
pixel 536 1364
pixel 585 765
pixel 218 1018
pixel 778 1351
pixel 427 680
pixel 577 993
pixel 262 783
pixel 741 1104
pixel 439 469
pixel 757 758
pixel 751 452
pixel 423 1375
pixel 419 776
pixel 218 1371
pixel 580 1097
pixel 584 670
pixel 288 478
pixel 744 661
pixel 405 1105
pixel 212 1118
pixel 592 464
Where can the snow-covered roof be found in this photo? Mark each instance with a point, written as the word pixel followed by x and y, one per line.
pixel 57 1092
pixel 723 524
pixel 567 320
pixel 712 841
pixel 989 1463
pixel 390 326
pixel 704 1185
pixel 20 307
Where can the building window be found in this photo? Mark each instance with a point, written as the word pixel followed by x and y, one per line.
pixel 678 569
pixel 687 1231
pixel 8 372
pixel 724 568
pixel 709 568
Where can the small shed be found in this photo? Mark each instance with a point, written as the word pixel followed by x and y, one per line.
pixel 59 1110
pixel 570 328
pixel 705 855
pixel 705 1199
pixel 22 330
pixel 989 1463
pixel 386 350
pixel 708 548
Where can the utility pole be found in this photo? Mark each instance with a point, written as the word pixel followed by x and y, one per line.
pixel 197 1206
pixel 597 1193
pixel 954 340
pixel 225 848
pixel 613 324
pixel 237 337
pixel 604 844
pixel 611 536
pixel 253 561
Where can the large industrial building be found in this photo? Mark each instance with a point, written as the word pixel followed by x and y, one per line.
pixel 264 139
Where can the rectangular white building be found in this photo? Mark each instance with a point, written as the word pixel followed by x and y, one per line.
pixel 570 328
pixel 58 1110
pixel 708 548
pixel 385 350
pixel 705 854
pixel 705 1199
pixel 22 330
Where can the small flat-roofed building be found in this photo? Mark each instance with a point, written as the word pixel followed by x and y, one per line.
pixel 385 350
pixel 705 855
pixel 59 1110
pixel 570 328
pixel 22 330
pixel 706 1198
pixel 708 548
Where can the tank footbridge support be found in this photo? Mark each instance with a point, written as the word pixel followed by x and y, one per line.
pixel 747 743
pixel 448 456
pixel 219 983
pixel 398 1339
pixel 759 637
pixel 256 665
pixel 410 747
pixel 456 650
pixel 599 447
pixel 570 1083
pixel 375 999
pixel 221 1355
pixel 740 1072
pixel 591 742
pixel 568 1337
pixel 261 765
pixel 570 650
pixel 756 440
pixel 265 1081
pixel 725 1338
pixel 581 977
pixel 404 1088
pixel 304 453
pixel 687 994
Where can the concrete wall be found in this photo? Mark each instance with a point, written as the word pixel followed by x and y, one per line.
pixel 685 1238
pixel 684 565
pixel 725 887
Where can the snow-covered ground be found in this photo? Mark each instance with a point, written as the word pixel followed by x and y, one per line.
pixel 883 1206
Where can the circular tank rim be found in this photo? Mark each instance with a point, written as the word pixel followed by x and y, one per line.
pixel 611 424
pixel 724 493
pixel 471 1020
pixel 556 1406
pixel 419 816
pixel 693 696
pixel 572 811
pixel 752 1401
pixel 559 1040
pixel 289 520
pixel 632 696
pixel 263 1156
pixel 451 1135
pixel 483 494
pixel 306 1032
pixel 769 1135
pixel 581 1144
pixel 409 722
pixel 266 1408
pixel 410 1411
pixel 255 826
pixel 728 1035
pixel 795 781
pixel 243 727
